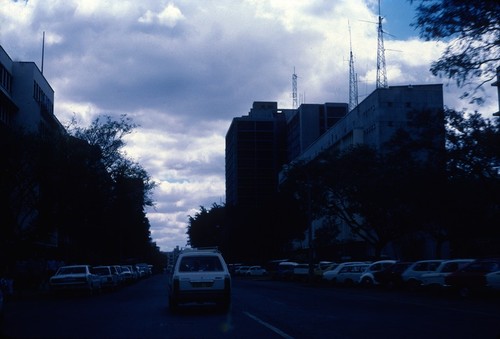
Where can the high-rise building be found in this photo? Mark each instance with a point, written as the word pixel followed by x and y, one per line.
pixel 255 152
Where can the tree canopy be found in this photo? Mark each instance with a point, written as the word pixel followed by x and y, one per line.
pixel 472 31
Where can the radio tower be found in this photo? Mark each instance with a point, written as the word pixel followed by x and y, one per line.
pixel 381 72
pixel 353 81
pixel 294 89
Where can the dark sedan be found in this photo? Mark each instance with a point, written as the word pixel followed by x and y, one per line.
pixel 390 277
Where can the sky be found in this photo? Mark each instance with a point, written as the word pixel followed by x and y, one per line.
pixel 183 69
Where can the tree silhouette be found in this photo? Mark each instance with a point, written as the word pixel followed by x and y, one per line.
pixel 472 31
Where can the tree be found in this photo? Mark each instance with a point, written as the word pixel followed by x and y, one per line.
pixel 108 135
pixel 206 226
pixel 472 30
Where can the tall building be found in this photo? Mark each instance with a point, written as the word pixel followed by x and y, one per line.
pixel 26 97
pixel 375 120
pixel 306 124
pixel 259 144
pixel 255 152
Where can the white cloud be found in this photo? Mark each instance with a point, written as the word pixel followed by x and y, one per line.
pixel 168 16
pixel 183 69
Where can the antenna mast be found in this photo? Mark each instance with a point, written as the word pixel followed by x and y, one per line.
pixel 294 89
pixel 381 72
pixel 43 48
pixel 353 81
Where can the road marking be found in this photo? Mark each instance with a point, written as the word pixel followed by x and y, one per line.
pixel 271 327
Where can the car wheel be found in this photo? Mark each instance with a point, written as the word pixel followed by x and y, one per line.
pixel 367 282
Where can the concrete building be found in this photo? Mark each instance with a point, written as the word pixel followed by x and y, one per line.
pixel 257 146
pixel 374 121
pixel 26 97
pixel 306 124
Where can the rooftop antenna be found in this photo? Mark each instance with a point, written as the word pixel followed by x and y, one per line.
pixel 381 71
pixel 353 81
pixel 43 48
pixel 294 89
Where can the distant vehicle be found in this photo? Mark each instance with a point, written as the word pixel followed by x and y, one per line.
pixel 241 270
pixel 75 277
pixel 350 274
pixel 493 281
pixel 285 270
pixel 322 268
pixel 128 275
pixel 472 278
pixel 331 275
pixel 390 277
pixel 435 280
pixel 108 279
pixel 256 271
pixel 412 275
pixel 200 276
pixel 368 278
pixel 301 271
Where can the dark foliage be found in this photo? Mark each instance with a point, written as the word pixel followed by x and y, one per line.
pixel 472 31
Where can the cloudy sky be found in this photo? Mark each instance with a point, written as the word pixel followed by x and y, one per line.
pixel 182 69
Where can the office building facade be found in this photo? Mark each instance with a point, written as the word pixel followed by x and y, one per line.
pixel 26 97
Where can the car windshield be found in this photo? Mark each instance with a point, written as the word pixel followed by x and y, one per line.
pixel 200 263
pixel 71 270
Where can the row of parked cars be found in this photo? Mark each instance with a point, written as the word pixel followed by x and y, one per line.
pixel 92 279
pixel 459 275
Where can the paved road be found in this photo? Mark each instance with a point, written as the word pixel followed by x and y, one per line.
pixel 260 309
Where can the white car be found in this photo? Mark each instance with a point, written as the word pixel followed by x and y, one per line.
pixel 436 280
pixel 493 280
pixel 412 276
pixel 200 276
pixel 256 271
pixel 367 278
pixel 350 274
pixel 331 275
pixel 75 277
pixel 108 279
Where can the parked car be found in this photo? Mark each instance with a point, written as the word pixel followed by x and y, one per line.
pixel 331 275
pixel 368 278
pixel 285 270
pixel 256 271
pixel 412 276
pixel 200 276
pixel 301 271
pixel 321 269
pixel 75 277
pixel 472 278
pixel 493 281
pixel 241 270
pixel 435 280
pixel 117 271
pixel 108 279
pixel 390 277
pixel 350 274
pixel 127 274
